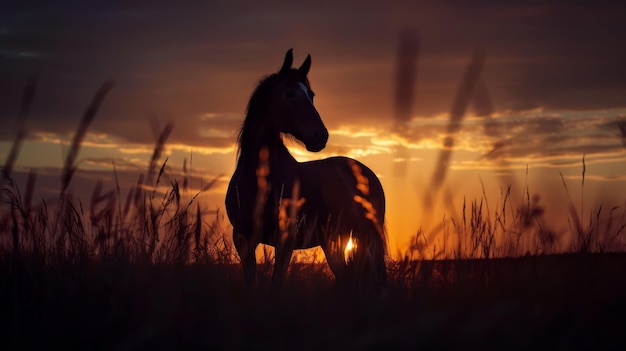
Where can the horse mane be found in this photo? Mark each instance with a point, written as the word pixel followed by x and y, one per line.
pixel 253 109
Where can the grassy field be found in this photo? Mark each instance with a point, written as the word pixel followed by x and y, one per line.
pixel 152 275
pixel 151 270
pixel 560 301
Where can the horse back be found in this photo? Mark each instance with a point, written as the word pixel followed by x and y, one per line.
pixel 339 183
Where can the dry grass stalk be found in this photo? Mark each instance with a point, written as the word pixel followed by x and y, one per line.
pixel 70 161
pixel 25 106
pixel 158 150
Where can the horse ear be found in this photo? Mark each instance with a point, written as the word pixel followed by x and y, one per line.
pixel 288 61
pixel 306 66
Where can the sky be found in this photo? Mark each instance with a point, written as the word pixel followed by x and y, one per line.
pixel 547 86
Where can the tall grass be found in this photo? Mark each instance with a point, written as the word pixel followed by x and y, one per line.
pixel 154 223
pixel 513 230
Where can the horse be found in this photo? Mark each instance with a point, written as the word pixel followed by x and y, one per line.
pixel 275 200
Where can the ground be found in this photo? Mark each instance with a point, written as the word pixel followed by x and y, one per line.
pixel 560 301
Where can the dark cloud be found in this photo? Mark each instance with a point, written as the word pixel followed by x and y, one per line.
pixel 48 181
pixel 565 135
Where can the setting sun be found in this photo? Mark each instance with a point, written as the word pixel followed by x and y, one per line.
pixel 348 253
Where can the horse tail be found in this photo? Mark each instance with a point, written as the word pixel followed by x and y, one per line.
pixel 371 232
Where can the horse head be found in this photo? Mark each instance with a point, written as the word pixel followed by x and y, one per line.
pixel 292 105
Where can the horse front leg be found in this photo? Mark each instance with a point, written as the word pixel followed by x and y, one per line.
pixel 282 257
pixel 247 254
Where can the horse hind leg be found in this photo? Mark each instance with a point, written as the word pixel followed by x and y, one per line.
pixel 370 260
pixel 247 254
pixel 335 258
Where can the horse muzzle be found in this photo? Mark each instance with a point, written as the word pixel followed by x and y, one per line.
pixel 318 140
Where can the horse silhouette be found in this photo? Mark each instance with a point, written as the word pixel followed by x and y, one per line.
pixel 275 200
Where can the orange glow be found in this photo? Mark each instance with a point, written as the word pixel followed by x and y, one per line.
pixel 348 253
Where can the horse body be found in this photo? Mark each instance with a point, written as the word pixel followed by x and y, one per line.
pixel 275 200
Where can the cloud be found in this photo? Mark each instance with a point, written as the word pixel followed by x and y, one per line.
pixel 565 133
pixel 546 138
pixel 83 183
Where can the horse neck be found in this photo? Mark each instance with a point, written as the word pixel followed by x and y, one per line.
pixel 258 136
